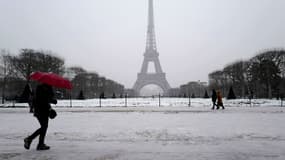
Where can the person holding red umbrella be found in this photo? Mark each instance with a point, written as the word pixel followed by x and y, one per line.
pixel 43 97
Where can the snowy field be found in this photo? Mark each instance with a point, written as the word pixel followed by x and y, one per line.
pixel 145 131
pixel 152 102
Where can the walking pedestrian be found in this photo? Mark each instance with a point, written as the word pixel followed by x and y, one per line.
pixel 43 97
pixel 214 99
pixel 27 96
pixel 220 100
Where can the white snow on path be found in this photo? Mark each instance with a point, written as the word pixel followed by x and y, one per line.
pixel 148 133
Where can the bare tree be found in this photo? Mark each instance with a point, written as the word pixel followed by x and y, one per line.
pixel 219 80
pixel 265 74
pixel 260 75
pixel 277 56
pixel 6 71
pixel 236 72
pixel 29 61
pixel 87 83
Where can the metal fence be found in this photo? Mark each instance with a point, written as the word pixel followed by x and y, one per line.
pixel 155 102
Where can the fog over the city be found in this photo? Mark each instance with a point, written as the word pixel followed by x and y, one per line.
pixel 194 37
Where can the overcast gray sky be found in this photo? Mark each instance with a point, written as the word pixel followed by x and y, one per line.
pixel 194 37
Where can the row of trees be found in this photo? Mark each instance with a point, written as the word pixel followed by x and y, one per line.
pixel 15 71
pixel 194 90
pixel 262 76
pixel 91 85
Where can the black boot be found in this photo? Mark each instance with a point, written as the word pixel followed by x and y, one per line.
pixel 27 143
pixel 43 147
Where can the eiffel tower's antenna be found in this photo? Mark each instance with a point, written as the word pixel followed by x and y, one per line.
pixel 150 41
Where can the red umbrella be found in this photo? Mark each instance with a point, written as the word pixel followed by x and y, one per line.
pixel 51 79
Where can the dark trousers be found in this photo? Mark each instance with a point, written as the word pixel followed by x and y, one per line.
pixel 220 104
pixel 43 120
pixel 214 104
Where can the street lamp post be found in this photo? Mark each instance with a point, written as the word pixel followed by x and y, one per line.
pixel 126 100
pixel 199 83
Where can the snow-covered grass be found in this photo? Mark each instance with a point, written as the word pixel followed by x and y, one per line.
pixel 147 132
pixel 152 102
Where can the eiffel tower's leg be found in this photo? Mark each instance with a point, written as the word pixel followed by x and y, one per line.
pixel 157 66
pixel 144 66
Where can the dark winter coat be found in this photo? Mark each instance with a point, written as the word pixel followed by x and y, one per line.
pixel 27 94
pixel 43 97
pixel 214 96
pixel 220 98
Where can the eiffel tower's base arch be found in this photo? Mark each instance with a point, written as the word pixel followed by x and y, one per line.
pixel 148 79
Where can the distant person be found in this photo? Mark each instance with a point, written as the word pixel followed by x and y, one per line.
pixel 251 94
pixel 220 100
pixel 27 96
pixel 214 98
pixel 43 97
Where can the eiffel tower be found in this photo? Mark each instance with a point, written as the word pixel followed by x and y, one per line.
pixel 151 55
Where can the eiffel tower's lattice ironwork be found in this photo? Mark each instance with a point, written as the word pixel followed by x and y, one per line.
pixel 151 55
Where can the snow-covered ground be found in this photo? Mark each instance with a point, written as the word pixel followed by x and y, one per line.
pixel 145 131
pixel 152 102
